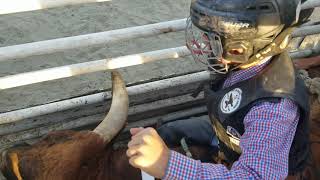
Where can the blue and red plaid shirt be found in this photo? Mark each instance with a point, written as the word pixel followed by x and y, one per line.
pixel 269 131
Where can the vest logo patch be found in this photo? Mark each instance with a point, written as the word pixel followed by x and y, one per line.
pixel 231 101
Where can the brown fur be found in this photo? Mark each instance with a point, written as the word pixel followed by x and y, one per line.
pixel 62 155
pixel 69 155
pixel 315 138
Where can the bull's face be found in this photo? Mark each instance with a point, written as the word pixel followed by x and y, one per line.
pixel 67 154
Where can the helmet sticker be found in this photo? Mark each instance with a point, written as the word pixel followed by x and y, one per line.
pixel 231 101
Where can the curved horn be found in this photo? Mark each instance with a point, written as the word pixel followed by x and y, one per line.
pixel 118 113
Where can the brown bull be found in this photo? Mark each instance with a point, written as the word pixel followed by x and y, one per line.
pixel 69 155
pixel 74 155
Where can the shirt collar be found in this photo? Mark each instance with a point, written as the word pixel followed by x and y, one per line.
pixel 244 74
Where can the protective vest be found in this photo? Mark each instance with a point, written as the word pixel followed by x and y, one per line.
pixel 228 107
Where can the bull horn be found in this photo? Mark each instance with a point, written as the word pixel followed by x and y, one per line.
pixel 118 113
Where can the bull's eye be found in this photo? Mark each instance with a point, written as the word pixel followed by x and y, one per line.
pixel 84 165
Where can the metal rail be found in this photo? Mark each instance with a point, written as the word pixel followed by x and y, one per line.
pixel 18 115
pixel 16 6
pixel 89 40
pixel 103 65
pixel 95 39
pixel 90 67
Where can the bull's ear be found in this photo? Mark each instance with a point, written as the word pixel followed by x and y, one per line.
pixel 6 166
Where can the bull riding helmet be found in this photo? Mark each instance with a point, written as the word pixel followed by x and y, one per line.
pixel 240 32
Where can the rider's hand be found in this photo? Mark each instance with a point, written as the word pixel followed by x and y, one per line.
pixel 148 152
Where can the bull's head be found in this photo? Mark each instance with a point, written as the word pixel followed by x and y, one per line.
pixel 69 154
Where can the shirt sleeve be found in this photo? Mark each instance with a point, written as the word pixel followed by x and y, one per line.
pixel 269 132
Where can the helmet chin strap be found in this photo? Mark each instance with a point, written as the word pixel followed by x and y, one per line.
pixel 278 45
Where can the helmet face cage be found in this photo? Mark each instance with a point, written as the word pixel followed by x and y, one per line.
pixel 205 47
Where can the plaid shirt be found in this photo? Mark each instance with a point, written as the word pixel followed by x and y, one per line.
pixel 269 131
